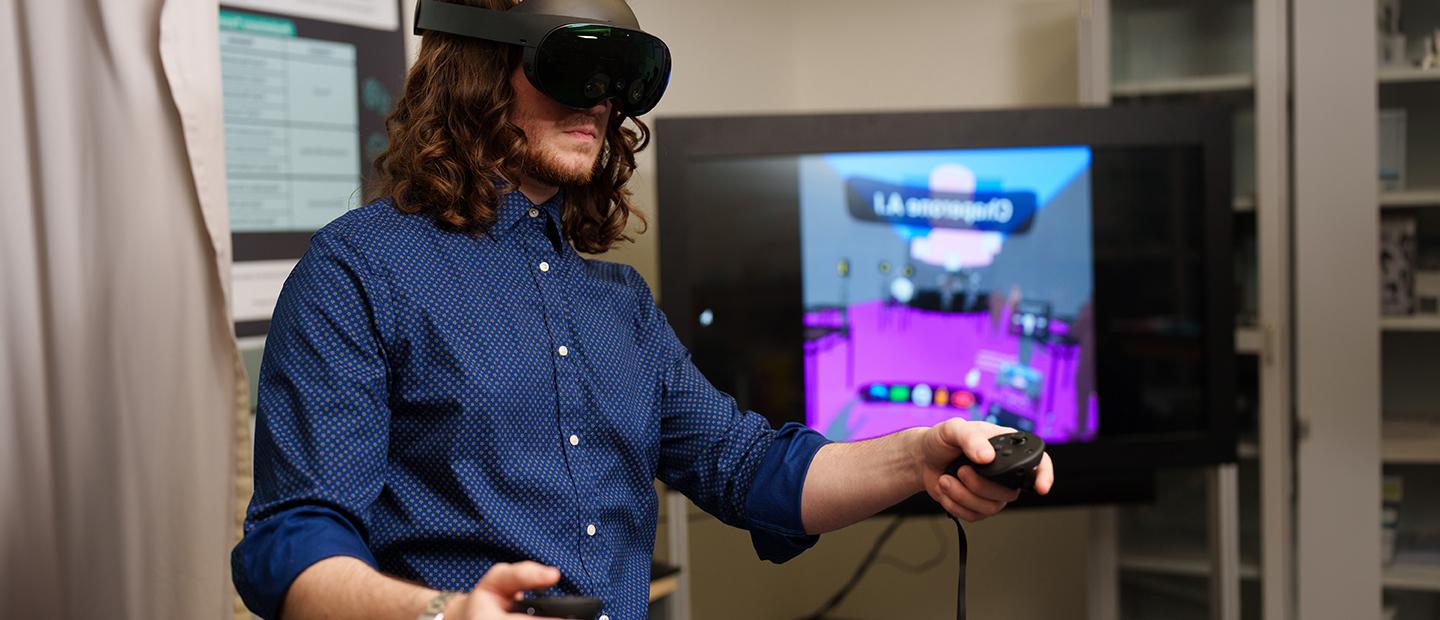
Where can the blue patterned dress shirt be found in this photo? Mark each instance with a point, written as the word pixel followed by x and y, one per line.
pixel 433 402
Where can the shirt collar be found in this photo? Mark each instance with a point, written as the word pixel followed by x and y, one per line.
pixel 515 208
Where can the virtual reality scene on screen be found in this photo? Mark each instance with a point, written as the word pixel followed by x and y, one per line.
pixel 942 284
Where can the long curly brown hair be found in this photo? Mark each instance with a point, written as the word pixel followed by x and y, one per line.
pixel 453 150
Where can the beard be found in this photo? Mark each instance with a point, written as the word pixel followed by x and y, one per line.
pixel 543 166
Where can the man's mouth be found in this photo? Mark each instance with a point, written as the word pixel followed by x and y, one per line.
pixel 582 132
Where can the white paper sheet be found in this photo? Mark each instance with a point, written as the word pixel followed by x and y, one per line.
pixel 257 286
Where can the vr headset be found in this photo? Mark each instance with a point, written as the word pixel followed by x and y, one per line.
pixel 577 52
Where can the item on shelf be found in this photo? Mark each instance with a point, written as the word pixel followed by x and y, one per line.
pixel 1427 292
pixel 1392 491
pixel 1397 265
pixel 1432 51
pixel 1392 150
pixel 1391 37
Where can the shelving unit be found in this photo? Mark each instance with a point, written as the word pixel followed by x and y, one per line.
pixel 1263 56
pixel 1410 432
pixel 1234 51
pixel 1410 443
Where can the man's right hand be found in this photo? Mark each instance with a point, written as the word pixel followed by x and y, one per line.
pixel 498 588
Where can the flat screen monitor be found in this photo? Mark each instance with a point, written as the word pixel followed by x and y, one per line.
pixel 1065 272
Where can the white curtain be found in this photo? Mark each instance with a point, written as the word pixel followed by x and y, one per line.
pixel 119 378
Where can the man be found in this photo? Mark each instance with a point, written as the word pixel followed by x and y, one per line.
pixel 457 408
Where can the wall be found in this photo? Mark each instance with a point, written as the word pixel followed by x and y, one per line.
pixel 798 56
pixel 929 54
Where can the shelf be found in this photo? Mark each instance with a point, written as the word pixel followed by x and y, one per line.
pixel 663 587
pixel 1402 576
pixel 1396 75
pixel 1408 324
pixel 1233 82
pixel 1410 443
pixel 664 580
pixel 1248 340
pixel 1418 198
pixel 1180 564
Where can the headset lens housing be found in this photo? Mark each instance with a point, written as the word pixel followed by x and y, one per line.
pixel 581 65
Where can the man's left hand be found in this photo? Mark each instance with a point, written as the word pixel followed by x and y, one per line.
pixel 970 497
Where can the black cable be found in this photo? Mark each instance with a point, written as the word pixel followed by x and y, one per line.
pixel 964 547
pixel 865 564
pixel 941 552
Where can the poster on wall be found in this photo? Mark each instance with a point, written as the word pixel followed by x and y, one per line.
pixel 307 87
pixel 375 14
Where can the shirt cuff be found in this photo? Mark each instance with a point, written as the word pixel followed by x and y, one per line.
pixel 275 551
pixel 773 503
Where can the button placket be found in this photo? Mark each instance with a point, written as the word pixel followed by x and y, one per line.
pixel 551 273
pixel 567 380
pixel 555 283
pixel 547 272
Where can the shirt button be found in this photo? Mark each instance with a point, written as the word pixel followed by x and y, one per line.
pixel 604 617
pixel 590 529
pixel 534 212
pixel 574 440
pixel 544 266
pixel 564 351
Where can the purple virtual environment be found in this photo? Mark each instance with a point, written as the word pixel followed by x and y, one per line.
pixel 941 284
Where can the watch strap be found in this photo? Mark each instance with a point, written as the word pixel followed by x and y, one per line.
pixel 435 609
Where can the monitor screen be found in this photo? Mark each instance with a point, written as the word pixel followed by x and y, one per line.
pixel 1065 273
pixel 938 284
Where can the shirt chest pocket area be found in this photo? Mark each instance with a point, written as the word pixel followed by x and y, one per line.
pixel 475 361
pixel 614 385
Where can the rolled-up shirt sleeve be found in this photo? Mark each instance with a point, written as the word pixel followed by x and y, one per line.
pixel 278 548
pixel 322 427
pixel 729 461
pixel 773 502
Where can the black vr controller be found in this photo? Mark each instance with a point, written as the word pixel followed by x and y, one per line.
pixel 1017 455
pixel 578 607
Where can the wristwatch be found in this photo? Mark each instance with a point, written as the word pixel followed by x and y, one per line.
pixel 436 609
